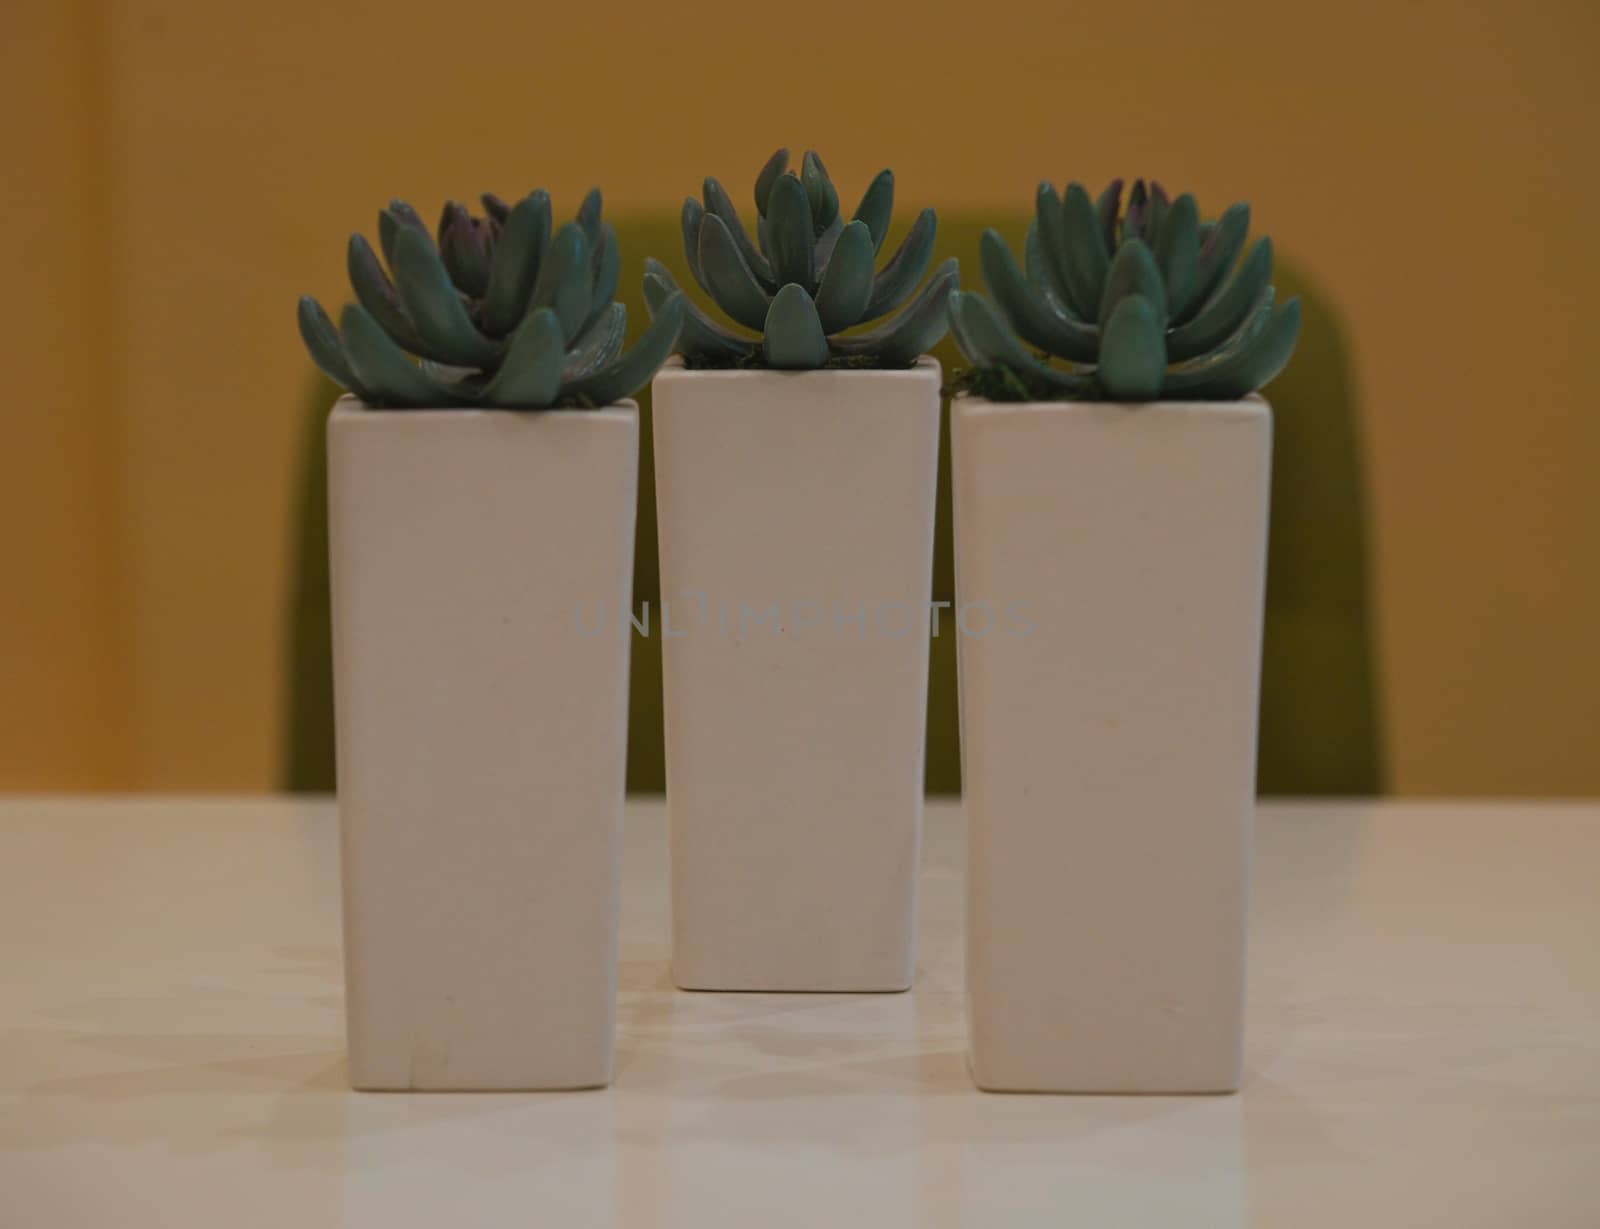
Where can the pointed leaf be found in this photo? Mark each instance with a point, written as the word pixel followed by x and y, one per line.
pixel 793 339
pixel 495 207
pixel 1028 311
pixel 1251 358
pixel 597 345
pixel 769 175
pixel 1132 272
pixel 633 370
pixel 820 194
pixel 607 266
pixel 719 203
pixel 903 339
pixel 791 236
pixel 988 343
pixel 1087 260
pixel 822 253
pixel 732 284
pixel 1106 207
pixel 702 337
pixel 1218 253
pixel 1138 214
pixel 847 280
pixel 327 351
pixel 566 280
pixel 1133 356
pixel 689 221
pixel 1177 253
pixel 877 207
pixel 530 376
pixel 434 307
pixel 464 248
pixel 1052 230
pixel 515 267
pixel 390 378
pixel 588 215
pixel 377 294
pixel 899 278
pixel 1159 205
pixel 391 221
pixel 1228 309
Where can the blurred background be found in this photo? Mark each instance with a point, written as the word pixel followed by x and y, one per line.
pixel 177 173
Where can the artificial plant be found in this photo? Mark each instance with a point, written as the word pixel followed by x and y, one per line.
pixel 498 311
pixel 807 277
pixel 1144 303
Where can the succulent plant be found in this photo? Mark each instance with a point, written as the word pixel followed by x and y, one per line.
pixel 1145 303
pixel 808 276
pixel 499 312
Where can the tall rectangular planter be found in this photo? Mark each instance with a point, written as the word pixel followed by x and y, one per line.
pixel 796 517
pixel 482 734
pixel 1110 564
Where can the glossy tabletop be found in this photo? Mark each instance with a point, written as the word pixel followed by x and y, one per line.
pixel 1424 1049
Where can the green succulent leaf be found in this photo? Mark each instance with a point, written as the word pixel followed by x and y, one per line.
pixel 823 251
pixel 1133 271
pixel 792 339
pixel 633 370
pixel 732 284
pixel 1030 313
pixel 846 283
pixel 701 337
pixel 1160 203
pixel 774 167
pixel 986 341
pixel 589 216
pixel 877 207
pixel 391 221
pixel 382 368
pixel 327 351
pixel 607 262
pixel 530 377
pixel 566 279
pixel 689 220
pixel 434 307
pixel 599 343
pixel 1106 207
pixel 1134 221
pixel 791 237
pixel 377 294
pixel 1177 253
pixel 1133 355
pixel 900 341
pixel 1250 359
pixel 1033 263
pixel 719 203
pixel 1228 309
pixel 1052 231
pixel 1086 258
pixel 524 235
pixel 465 249
pixel 1218 252
pixel 899 278
pixel 820 192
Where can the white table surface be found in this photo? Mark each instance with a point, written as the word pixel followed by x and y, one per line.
pixel 1424 1049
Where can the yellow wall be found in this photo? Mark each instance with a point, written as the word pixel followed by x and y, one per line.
pixel 179 171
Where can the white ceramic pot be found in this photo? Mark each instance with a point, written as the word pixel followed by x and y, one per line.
pixel 482 735
pixel 1110 563
pixel 796 519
